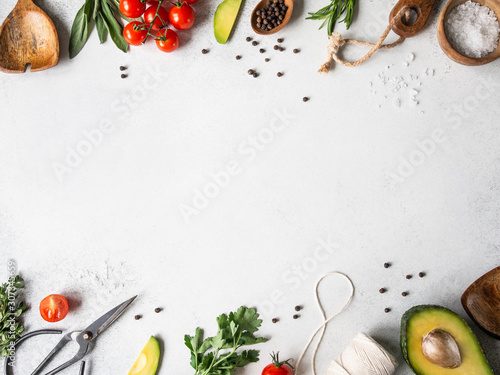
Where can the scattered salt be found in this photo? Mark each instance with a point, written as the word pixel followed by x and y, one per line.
pixel 472 29
pixel 405 64
pixel 397 103
pixel 410 57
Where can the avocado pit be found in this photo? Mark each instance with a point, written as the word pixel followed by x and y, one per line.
pixel 440 348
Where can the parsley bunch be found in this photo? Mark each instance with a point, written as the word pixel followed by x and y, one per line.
pixel 10 311
pixel 218 355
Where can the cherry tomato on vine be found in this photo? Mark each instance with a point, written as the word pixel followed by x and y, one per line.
pixel 132 8
pixel 167 40
pixel 134 34
pixel 54 308
pixel 160 21
pixel 181 15
pixel 277 367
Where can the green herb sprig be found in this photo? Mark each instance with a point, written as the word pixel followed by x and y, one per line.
pixel 332 13
pixel 10 311
pixel 219 355
pixel 105 14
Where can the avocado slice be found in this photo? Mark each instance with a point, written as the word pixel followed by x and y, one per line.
pixel 436 341
pixel 147 362
pixel 224 19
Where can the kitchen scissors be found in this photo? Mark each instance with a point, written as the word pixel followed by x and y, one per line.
pixel 83 338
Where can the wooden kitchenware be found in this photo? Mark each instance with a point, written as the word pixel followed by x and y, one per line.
pixel 445 44
pixel 28 36
pixel 263 4
pixel 404 27
pixel 481 301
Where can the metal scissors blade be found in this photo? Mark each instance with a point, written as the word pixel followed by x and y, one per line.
pixel 101 324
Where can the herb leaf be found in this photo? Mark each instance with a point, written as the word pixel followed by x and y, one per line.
pixel 219 355
pixel 10 326
pixel 114 27
pixel 102 31
pixel 332 14
pixel 80 31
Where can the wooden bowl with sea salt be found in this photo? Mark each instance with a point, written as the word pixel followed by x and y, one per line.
pixel 446 44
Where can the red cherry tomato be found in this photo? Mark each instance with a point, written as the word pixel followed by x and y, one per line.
pixel 160 21
pixel 132 8
pixel 277 367
pixel 54 308
pixel 132 35
pixel 181 16
pixel 167 40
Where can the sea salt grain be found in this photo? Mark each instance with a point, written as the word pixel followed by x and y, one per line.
pixel 472 29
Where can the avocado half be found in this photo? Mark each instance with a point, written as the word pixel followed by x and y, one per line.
pixel 421 322
pixel 147 362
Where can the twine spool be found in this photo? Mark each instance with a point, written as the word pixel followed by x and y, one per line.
pixel 364 356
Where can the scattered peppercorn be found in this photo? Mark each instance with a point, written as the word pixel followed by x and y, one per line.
pixel 157 310
pixel 305 99
pixel 276 47
pixel 296 316
pixel 281 49
pixel 123 76
pixel 279 74
pixel 267 59
pixel 280 40
pixel 387 309
pixel 275 320
pixel 250 71
pixel 404 294
pixel 262 50
pixel 421 274
pixel 254 43
pixel 204 51
pixel 408 277
pixel 248 39
pixel 298 308
pixel 122 68
pixel 387 265
pixel 137 317
pixel 296 50
pixel 255 75
pixel 382 290
pixel 238 57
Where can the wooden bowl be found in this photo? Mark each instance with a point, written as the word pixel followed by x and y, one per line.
pixel 263 4
pixel 447 47
pixel 481 301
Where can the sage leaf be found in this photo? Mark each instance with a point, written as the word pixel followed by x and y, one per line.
pixel 114 27
pixel 80 31
pixel 102 31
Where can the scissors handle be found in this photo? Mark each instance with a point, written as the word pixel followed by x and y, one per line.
pixel 84 346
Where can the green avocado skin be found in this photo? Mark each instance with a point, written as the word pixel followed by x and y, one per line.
pixel 404 324
pixel 224 19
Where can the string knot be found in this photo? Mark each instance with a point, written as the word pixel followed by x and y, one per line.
pixel 335 42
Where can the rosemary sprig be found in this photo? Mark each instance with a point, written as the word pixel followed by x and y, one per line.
pixel 332 13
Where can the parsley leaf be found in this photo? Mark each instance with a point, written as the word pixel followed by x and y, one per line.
pixel 219 355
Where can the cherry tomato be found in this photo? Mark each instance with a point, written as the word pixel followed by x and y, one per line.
pixel 54 308
pixel 160 21
pixel 167 40
pixel 132 35
pixel 132 8
pixel 277 367
pixel 181 16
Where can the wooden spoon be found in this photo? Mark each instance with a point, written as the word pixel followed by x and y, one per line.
pixel 263 4
pixel 422 8
pixel 28 36
pixel 445 44
pixel 481 301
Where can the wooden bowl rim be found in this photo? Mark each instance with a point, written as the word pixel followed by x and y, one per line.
pixel 264 3
pixel 446 46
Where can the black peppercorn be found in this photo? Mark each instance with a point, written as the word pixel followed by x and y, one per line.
pixel 255 75
pixel 279 74
pixel 275 320
pixel 404 294
pixel 122 68
pixel 262 50
pixel 387 309
pixel 137 317
pixel 204 51
pixel 382 290
pixel 298 308
pixel 280 40
pixel 254 43
pixel 408 277
pixel 296 316
pixel 250 71
pixel 421 274
pixel 305 99
pixel 248 39
pixel 157 310
pixel 387 265
pixel 296 50
pixel 238 57
pixel 267 59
